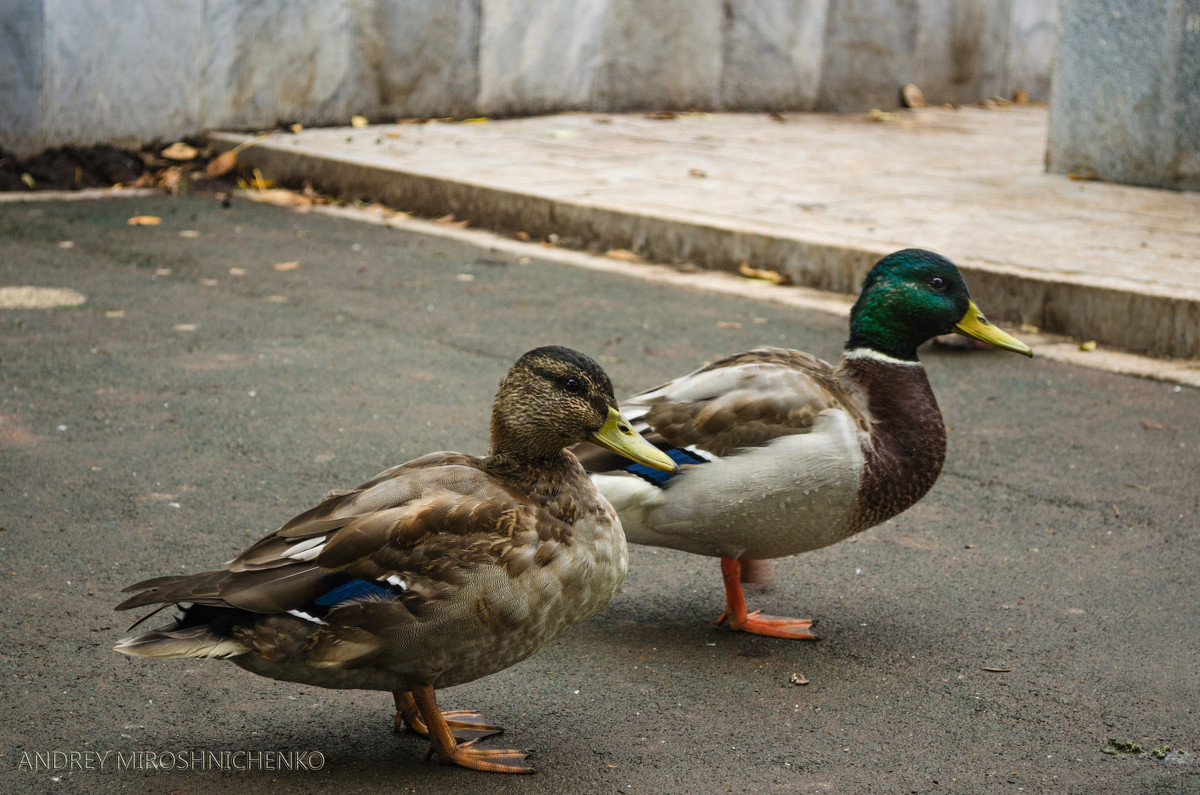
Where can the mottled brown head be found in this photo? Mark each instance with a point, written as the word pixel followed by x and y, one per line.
pixel 552 398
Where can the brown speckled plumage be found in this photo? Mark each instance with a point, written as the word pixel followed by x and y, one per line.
pixel 464 565
pixel 752 418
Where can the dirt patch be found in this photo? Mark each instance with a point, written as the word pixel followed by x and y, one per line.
pixel 102 166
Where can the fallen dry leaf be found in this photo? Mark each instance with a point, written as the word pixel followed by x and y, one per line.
pixel 171 179
pixel 996 670
pixel 144 220
pixel 286 266
pixel 359 121
pixel 522 236
pixel 222 164
pixel 798 679
pixel 1020 96
pixel 697 172
pixel 882 115
pixel 622 254
pixel 763 275
pixel 1088 346
pixel 297 127
pixel 260 183
pixel 1158 426
pixel 913 96
pixel 282 197
pixel 448 220
pixel 180 151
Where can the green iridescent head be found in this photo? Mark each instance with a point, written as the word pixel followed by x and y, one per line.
pixel 911 296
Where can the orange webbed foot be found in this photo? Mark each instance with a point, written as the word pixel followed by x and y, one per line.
pixel 409 717
pixel 756 623
pixel 489 760
pixel 442 742
pixel 772 626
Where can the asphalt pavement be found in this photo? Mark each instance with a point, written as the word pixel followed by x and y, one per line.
pixel 1027 627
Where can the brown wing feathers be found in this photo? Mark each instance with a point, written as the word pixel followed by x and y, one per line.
pixel 268 591
pixel 427 541
pixel 741 401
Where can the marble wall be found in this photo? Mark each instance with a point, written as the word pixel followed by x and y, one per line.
pixel 87 71
pixel 1126 104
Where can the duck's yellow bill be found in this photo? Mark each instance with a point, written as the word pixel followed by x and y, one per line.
pixel 620 437
pixel 974 324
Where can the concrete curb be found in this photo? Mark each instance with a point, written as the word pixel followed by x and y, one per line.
pixel 1056 348
pixel 1143 318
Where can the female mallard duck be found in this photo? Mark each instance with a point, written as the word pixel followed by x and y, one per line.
pixel 435 572
pixel 781 453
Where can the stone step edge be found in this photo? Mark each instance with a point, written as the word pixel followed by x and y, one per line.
pixel 1136 317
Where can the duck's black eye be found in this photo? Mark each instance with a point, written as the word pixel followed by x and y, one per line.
pixel 573 386
pixel 938 283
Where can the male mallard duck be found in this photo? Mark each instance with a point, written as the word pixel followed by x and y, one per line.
pixel 435 572
pixel 782 453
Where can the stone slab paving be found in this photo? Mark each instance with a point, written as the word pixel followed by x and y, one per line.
pixel 816 197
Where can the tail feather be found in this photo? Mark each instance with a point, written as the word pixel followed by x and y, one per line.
pixel 201 631
pixel 199 642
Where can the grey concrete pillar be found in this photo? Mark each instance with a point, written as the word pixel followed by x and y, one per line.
pixel 1125 104
pixel 21 75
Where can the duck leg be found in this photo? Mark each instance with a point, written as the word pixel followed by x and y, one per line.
pixel 464 754
pixel 758 574
pixel 409 717
pixel 756 622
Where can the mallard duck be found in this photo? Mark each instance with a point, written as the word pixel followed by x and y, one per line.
pixel 782 453
pixel 431 574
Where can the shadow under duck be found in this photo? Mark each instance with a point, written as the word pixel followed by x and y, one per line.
pixel 434 573
pixel 781 452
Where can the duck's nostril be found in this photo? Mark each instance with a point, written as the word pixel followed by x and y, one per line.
pixel 623 428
